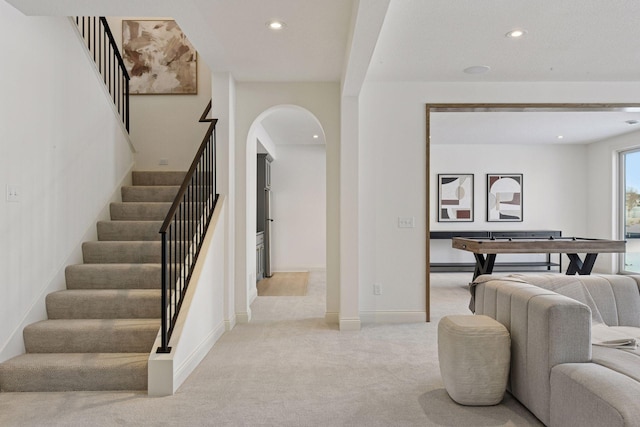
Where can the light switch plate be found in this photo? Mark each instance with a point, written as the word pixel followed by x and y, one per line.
pixel 406 222
pixel 13 193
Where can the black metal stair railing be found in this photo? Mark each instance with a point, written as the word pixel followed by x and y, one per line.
pixel 184 229
pixel 103 48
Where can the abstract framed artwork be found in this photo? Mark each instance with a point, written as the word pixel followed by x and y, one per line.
pixel 455 197
pixel 159 58
pixel 504 197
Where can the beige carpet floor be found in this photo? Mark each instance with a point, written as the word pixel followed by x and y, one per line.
pixel 289 368
pixel 284 284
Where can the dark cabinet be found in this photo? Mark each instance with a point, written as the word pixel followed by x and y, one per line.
pixel 263 211
pixel 259 256
pixel 263 189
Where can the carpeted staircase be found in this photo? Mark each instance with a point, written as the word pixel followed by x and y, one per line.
pixel 101 329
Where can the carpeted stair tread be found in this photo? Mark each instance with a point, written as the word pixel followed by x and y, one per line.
pixel 74 372
pixel 128 230
pixel 113 276
pixel 152 193
pixel 158 177
pixel 104 304
pixel 139 211
pixel 138 252
pixel 91 336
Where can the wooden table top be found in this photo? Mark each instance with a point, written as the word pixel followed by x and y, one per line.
pixel 568 245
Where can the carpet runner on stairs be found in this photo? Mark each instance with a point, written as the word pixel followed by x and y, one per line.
pixel 101 329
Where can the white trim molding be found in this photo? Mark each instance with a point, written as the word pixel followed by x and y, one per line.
pixel 349 324
pixel 332 317
pixel 393 316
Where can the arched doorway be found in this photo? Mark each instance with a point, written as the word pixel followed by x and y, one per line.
pixel 294 139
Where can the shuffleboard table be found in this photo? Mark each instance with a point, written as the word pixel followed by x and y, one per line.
pixel 485 250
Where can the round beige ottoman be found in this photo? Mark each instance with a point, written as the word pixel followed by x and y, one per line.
pixel 474 354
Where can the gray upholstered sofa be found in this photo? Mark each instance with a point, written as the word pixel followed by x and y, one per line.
pixel 561 367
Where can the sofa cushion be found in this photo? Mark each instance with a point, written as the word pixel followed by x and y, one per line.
pixel 613 299
pixel 587 394
pixel 617 298
pixel 626 362
pixel 569 286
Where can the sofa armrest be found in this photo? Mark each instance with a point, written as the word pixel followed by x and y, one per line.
pixel 546 329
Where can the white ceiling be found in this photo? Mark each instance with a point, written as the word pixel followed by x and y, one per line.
pixel 567 40
pixel 529 127
pixel 311 47
pixel 293 126
pixel 407 40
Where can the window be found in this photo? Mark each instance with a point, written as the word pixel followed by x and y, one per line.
pixel 630 199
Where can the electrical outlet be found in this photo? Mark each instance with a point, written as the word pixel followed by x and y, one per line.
pixel 406 222
pixel 164 162
pixel 377 289
pixel 13 193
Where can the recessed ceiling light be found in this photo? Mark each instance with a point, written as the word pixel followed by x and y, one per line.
pixel 477 69
pixel 560 136
pixel 514 34
pixel 275 25
pixel 315 137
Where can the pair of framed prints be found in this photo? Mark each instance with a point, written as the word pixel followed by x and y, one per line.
pixel 456 197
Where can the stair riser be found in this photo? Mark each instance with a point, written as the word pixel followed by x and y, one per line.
pixel 139 211
pixel 80 373
pixel 149 194
pixel 113 276
pixel 129 230
pixel 157 178
pixel 118 231
pixel 69 305
pixel 70 337
pixel 167 178
pixel 122 252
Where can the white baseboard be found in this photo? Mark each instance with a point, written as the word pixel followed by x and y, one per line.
pixel 349 325
pixel 393 316
pixel 253 294
pixel 300 270
pixel 332 317
pixel 229 324
pixel 243 317
pixel 198 354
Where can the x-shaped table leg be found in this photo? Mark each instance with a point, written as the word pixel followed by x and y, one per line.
pixel 581 267
pixel 484 265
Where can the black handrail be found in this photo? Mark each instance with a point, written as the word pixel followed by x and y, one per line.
pixel 102 46
pixel 184 229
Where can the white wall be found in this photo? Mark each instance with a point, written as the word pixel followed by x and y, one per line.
pixel 264 140
pixel 61 143
pixel 298 181
pixel 223 88
pixel 554 190
pixel 166 126
pixel 393 176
